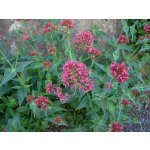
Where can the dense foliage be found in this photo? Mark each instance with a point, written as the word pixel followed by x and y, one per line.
pixel 95 94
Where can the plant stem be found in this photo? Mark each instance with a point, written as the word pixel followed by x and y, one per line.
pixel 16 59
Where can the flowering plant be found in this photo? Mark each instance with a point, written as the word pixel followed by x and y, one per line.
pixel 96 95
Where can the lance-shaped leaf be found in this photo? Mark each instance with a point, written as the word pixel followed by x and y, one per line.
pixel 8 74
pixel 21 65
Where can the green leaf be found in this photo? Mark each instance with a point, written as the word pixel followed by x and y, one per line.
pixel 14 33
pixel 3 90
pixel 21 94
pixel 94 110
pixel 16 120
pixel 94 74
pixel 39 84
pixel 8 74
pixel 101 66
pixel 22 108
pixel 111 109
pixel 132 30
pixel 126 47
pixel 21 65
pixel 39 39
pixel 99 33
pixel 81 94
pixel 112 98
pixel 33 107
pixel 83 103
pixel 126 30
pixel 140 76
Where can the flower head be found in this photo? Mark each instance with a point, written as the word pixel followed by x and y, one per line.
pixel 145 92
pixel 34 54
pixel 42 101
pixel 148 100
pixel 119 71
pixel 0 36
pixel 52 50
pixel 47 64
pixel 58 120
pixel 147 29
pixel 116 127
pixel 75 73
pixel 48 27
pixel 125 102
pixel 83 41
pixel 64 31
pixel 141 38
pixel 108 85
pixel 123 39
pixel 94 51
pixel 52 88
pixel 68 23
pixel 26 38
pixel 135 92
pixel 31 98
pixel 17 49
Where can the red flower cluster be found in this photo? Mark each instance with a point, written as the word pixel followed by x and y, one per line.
pixel 75 73
pixel 25 38
pixel 10 97
pixel 123 39
pixel 94 51
pixel 52 88
pixel 49 27
pixel 17 49
pixel 68 23
pixel 125 102
pixel 135 92
pixel 108 85
pixel 141 38
pixel 42 101
pixel 52 50
pixel 119 71
pixel 31 98
pixel 148 100
pixel 34 54
pixel 145 92
pixel 58 120
pixel 116 127
pixel 147 29
pixel 47 64
pixel 64 31
pixel 0 36
pixel 83 41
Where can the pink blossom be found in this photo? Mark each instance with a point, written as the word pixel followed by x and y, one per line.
pixel 47 64
pixel 141 38
pixel 58 120
pixel 116 127
pixel 48 27
pixel 75 73
pixel 42 101
pixel 148 100
pixel 145 92
pixel 25 38
pixel 135 92
pixel 52 50
pixel 94 51
pixel 108 85
pixel 17 49
pixel 125 102
pixel 123 39
pixel 34 54
pixel 29 20
pixel 64 31
pixel 68 23
pixel 31 98
pixel 147 29
pixel 24 33
pixel 52 88
pixel 83 41
pixel 119 71
pixel 0 36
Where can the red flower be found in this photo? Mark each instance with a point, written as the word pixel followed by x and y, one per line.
pixel 4 131
pixel 58 120
pixel 68 23
pixel 135 92
pixel 125 102
pixel 116 127
pixel 47 64
pixel 0 36
pixel 52 50
pixel 141 38
pixel 94 51
pixel 108 85
pixel 145 92
pixel 147 29
pixel 34 54
pixel 42 101
pixel 123 39
pixel 31 98
pixel 119 71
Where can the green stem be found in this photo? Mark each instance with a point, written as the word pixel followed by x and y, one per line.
pixel 85 59
pixel 68 41
pixel 35 29
pixel 16 59
pixel 7 48
pixel 141 126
